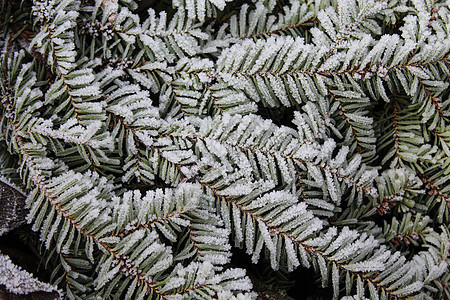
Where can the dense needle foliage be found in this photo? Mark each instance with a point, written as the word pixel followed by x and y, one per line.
pixel 158 140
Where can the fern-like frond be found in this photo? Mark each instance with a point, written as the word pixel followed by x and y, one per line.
pixel 200 9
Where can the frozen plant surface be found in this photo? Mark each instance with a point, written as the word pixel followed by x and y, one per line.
pixel 155 138
pixel 18 281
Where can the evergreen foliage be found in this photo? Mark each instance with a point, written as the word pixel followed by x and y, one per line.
pixel 153 138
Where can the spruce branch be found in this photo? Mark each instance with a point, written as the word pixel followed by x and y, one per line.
pixel 147 144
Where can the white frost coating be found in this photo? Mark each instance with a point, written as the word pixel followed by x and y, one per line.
pixel 276 197
pixel 353 165
pixel 249 236
pixel 306 152
pixel 220 4
pixel 365 266
pixel 227 295
pixel 345 236
pixel 340 157
pixel 236 190
pixel 173 284
pixel 410 289
pixel 323 239
pixel 319 203
pixel 71 132
pixel 333 189
pixel 237 224
pixel 291 254
pixel 266 236
pixel 360 245
pixel 202 274
pixel 297 211
pixel 327 149
pixel 92 90
pixel 20 282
